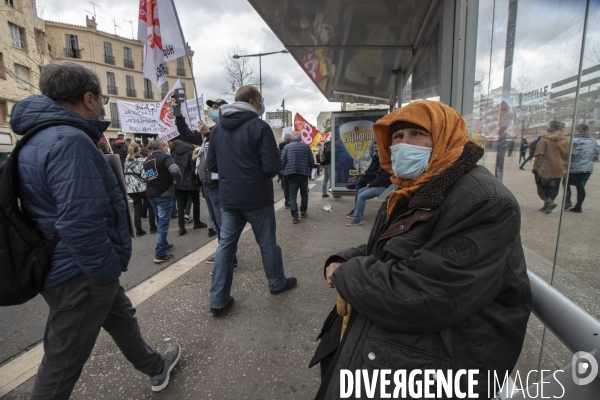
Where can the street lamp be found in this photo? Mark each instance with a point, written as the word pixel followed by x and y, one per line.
pixel 259 55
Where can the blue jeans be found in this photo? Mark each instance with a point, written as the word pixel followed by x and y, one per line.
pixel 362 196
pixel 162 207
pixel 326 178
pixel 298 182
pixel 214 209
pixel 263 226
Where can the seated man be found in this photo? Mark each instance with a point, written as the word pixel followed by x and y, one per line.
pixel 364 177
pixel 372 189
pixel 442 282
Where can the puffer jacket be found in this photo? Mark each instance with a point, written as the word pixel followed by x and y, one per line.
pixel 297 158
pixel 441 285
pixel 244 153
pixel 119 147
pixel 67 187
pixel 135 176
pixel 586 150
pixel 183 158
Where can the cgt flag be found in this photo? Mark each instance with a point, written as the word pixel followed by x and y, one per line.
pixel 309 134
pixel 160 32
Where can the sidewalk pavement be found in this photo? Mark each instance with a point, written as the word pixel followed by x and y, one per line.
pixel 261 348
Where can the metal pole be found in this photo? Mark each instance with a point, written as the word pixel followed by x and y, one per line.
pixel 260 76
pixel 283 116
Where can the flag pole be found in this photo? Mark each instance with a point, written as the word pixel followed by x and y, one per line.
pixel 189 59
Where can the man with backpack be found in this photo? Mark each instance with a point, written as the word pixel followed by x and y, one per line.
pixel 325 161
pixel 69 191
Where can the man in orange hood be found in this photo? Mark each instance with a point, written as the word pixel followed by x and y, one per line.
pixel 442 282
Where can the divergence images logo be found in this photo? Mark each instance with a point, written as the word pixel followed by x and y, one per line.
pixel 585 368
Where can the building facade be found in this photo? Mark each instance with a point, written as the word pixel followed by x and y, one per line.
pixel 24 49
pixel 323 119
pixel 283 118
pixel 118 63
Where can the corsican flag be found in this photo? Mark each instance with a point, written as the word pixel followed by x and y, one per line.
pixel 160 32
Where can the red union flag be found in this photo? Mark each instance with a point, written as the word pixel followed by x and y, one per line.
pixel 160 32
pixel 307 131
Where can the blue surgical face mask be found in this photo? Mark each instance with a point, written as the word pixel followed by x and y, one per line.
pixel 409 161
pixel 214 115
pixel 262 109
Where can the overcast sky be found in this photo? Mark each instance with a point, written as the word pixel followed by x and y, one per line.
pixel 212 29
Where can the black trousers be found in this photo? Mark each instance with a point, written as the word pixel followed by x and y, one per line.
pixel 139 199
pixel 182 196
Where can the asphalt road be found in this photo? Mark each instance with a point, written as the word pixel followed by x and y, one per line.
pixel 22 327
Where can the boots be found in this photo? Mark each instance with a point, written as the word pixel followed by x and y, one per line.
pixel 549 206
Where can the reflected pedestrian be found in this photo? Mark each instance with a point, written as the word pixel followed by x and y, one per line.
pixel 550 162
pixel 582 165
pixel 523 149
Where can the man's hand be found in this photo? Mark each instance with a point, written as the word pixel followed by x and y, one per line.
pixel 368 186
pixel 329 272
pixel 203 128
pixel 362 173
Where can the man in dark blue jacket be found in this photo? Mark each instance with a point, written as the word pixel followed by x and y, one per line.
pixel 297 162
pixel 244 153
pixel 67 188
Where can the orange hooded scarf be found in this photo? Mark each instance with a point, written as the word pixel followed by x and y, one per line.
pixel 449 133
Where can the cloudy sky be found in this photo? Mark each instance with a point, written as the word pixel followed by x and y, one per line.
pixel 212 28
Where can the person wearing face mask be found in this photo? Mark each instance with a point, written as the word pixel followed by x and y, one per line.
pixel 377 185
pixel 442 282
pixel 244 153
pixel 68 189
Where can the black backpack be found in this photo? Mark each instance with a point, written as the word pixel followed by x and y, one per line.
pixel 326 154
pixel 24 253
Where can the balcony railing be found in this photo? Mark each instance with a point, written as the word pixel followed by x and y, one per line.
pixel 72 53
pixel 115 123
pixel 109 59
pixel 112 89
pixel 128 63
pixel 131 92
pixel 180 71
pixel 148 94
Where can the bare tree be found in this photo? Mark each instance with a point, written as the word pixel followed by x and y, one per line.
pixel 239 71
pixel 35 51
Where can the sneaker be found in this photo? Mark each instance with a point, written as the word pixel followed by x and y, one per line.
pixel 350 216
pixel 187 219
pixel 324 195
pixel 210 260
pixel 140 232
pixel 295 220
pixel 568 205
pixel 211 232
pixel 182 231
pixel 303 214
pixel 352 223
pixel 217 311
pixel 287 206
pixel 171 357
pixel 200 225
pixel 289 284
pixel 161 259
pixel 235 266
pixel 550 206
pixel 575 209
pixel 170 247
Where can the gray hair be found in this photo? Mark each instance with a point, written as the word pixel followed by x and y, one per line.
pixel 67 82
pixel 296 136
pixel 157 144
pixel 287 137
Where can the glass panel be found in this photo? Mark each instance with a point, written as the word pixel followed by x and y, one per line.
pixel 527 61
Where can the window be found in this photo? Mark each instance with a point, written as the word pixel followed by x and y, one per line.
pixel 114 116
pixel 183 86
pixel 127 58
pixel 111 86
pixel 72 46
pixel 180 67
pixel 17 36
pixel 130 86
pixel 108 54
pixel 9 3
pixel 22 76
pixel 3 111
pixel 39 42
pixel 2 71
pixel 164 89
pixel 148 89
